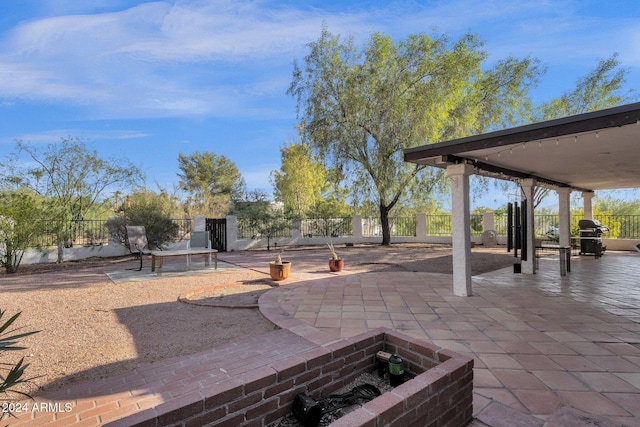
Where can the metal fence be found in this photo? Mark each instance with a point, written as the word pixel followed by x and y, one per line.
pixel 87 232
pixel 621 226
pixel 73 233
pixel 439 225
pixel 96 232
pixel 326 227
pixel 256 228
pixel 500 224
pixel 399 226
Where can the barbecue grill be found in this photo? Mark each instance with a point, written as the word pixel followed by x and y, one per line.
pixel 591 232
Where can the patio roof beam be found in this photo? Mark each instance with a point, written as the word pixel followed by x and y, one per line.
pixel 506 173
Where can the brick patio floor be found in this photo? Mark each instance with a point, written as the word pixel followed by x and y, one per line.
pixel 548 350
pixel 541 343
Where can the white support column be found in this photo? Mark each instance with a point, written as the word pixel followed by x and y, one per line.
pixel 588 207
pixel 461 238
pixel 232 232
pixel 564 213
pixel 528 187
pixel 356 226
pixel 421 226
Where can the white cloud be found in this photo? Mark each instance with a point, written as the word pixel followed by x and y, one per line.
pixel 158 59
pixel 224 58
pixel 86 135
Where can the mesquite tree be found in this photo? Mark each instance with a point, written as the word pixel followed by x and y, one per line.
pixel 360 109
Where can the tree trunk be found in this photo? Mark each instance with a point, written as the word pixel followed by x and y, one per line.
pixel 384 223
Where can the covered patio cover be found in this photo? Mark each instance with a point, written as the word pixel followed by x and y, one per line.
pixel 593 151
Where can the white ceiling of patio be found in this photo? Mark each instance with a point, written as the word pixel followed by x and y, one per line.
pixel 592 151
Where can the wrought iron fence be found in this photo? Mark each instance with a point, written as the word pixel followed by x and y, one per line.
pixel 87 232
pixel 439 225
pixel 73 233
pixel 256 228
pixel 399 226
pixel 403 226
pixel 546 225
pixel 96 232
pixel 500 224
pixel 621 226
pixel 326 227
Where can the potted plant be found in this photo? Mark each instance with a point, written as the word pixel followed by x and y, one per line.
pixel 278 269
pixel 335 263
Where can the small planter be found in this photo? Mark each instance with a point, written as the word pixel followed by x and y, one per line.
pixel 336 265
pixel 279 271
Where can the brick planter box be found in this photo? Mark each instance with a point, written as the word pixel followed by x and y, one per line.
pixel 441 394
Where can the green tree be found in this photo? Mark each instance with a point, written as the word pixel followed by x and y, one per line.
pixel 300 180
pixel 211 182
pixel 265 219
pixel 361 109
pixel 22 215
pixel 601 88
pixel 333 200
pixel 155 211
pixel 73 178
pixel 618 206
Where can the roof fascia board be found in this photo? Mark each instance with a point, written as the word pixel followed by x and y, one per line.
pixel 581 123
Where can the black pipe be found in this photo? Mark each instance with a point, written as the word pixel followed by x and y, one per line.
pixel 525 236
pixel 509 227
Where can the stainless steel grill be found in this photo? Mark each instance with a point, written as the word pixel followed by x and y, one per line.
pixel 591 232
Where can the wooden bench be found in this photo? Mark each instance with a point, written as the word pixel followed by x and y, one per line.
pixel 139 246
pixel 161 255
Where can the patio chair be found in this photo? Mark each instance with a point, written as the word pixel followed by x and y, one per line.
pixel 200 239
pixel 138 243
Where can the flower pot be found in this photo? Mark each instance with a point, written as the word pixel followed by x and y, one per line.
pixel 279 271
pixel 336 265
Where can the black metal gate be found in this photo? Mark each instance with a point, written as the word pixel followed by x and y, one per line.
pixel 218 231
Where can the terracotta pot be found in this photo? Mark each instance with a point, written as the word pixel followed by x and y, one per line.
pixel 336 265
pixel 279 271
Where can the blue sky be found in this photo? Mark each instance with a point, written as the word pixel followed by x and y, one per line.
pixel 149 80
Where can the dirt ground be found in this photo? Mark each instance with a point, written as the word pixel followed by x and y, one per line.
pixel 91 327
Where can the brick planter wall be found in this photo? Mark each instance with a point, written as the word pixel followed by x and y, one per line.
pixel 439 395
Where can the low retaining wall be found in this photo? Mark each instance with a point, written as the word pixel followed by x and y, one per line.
pixel 440 394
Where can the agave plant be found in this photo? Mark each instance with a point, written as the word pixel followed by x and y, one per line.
pixel 8 342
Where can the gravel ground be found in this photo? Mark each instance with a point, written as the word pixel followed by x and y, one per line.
pixel 92 327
